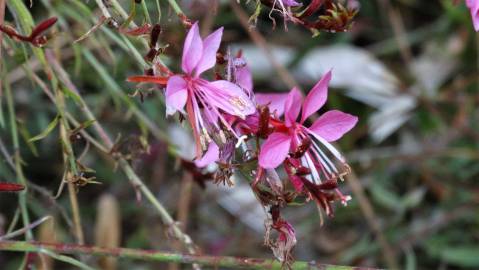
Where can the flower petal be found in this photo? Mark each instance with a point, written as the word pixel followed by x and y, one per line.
pixel 291 3
pixel 192 50
pixel 211 155
pixel 333 125
pixel 230 98
pixel 244 79
pixel 176 94
pixel 210 46
pixel 473 6
pixel 292 106
pixel 274 150
pixel 316 97
pixel 274 101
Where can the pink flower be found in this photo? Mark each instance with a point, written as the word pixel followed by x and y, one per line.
pixel 306 148
pixel 473 6
pixel 206 102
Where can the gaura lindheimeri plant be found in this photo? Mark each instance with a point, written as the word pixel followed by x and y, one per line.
pixel 227 117
pixel 305 150
pixel 473 6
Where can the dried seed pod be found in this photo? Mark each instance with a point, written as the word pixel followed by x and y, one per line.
pixel 263 127
pixel 155 34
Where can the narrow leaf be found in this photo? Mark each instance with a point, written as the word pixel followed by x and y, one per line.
pixel 47 131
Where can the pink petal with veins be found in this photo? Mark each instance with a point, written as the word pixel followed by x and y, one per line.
pixel 230 98
pixel 316 97
pixel 244 79
pixel 176 94
pixel 292 106
pixel 211 45
pixel 210 156
pixel 274 101
pixel 274 150
pixel 333 125
pixel 192 50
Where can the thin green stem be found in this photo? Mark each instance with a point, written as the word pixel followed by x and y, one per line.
pixel 151 255
pixel 145 11
pixel 66 259
pixel 18 160
pixel 165 216
pixel 176 8
pixel 158 7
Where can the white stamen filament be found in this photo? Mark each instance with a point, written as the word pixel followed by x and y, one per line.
pixel 314 171
pixel 241 140
pixel 315 157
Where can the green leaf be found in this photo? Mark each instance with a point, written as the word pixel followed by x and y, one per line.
pixel 465 256
pixel 411 262
pixel 413 198
pixel 26 136
pixel 385 197
pixel 47 131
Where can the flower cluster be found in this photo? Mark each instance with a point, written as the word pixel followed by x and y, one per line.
pixel 270 131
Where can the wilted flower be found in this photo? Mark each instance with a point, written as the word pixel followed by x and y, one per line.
pixel 303 147
pixel 286 239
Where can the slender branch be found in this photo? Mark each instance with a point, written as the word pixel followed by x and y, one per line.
pixel 18 160
pixel 372 220
pixel 24 229
pixel 151 255
pixel 176 8
pixel 103 9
